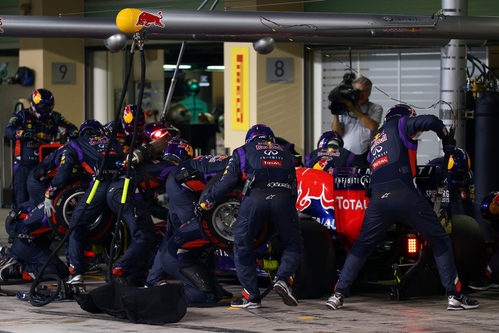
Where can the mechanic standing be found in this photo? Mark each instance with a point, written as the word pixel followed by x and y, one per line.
pixel 30 128
pixel 267 171
pixel 394 197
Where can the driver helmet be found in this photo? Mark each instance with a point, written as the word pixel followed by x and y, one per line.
pixel 328 138
pixel 259 131
pixel 400 110
pixel 178 150
pixel 128 119
pixel 42 103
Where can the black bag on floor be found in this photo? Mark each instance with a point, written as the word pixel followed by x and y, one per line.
pixel 155 305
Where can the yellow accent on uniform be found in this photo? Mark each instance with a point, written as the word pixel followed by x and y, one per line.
pixel 126 20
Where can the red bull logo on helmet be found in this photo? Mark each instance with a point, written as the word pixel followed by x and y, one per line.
pixel 128 115
pixel 187 148
pixel 145 19
pixel 37 97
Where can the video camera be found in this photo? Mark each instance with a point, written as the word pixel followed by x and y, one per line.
pixel 344 90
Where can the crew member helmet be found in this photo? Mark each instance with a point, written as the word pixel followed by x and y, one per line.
pixel 128 119
pixel 91 126
pixel 459 167
pixel 178 150
pixel 400 110
pixel 259 131
pixel 155 131
pixel 490 207
pixel 41 102
pixel 328 138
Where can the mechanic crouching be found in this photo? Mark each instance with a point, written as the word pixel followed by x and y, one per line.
pixel 146 185
pixel 395 198
pixel 267 171
pixel 184 254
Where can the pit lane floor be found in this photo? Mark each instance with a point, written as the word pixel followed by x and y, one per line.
pixel 373 312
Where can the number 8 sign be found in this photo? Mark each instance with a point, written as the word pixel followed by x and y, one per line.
pixel 280 70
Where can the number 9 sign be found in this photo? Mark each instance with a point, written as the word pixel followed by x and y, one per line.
pixel 63 73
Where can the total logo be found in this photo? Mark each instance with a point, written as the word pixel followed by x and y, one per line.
pixel 351 204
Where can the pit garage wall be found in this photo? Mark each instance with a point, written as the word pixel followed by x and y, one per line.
pixel 409 76
pixel 278 105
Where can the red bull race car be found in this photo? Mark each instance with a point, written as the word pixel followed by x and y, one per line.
pixel 332 208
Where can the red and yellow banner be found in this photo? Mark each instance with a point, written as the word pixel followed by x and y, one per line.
pixel 239 92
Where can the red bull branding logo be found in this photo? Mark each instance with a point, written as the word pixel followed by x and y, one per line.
pixel 128 115
pixel 145 19
pixel 37 97
pixel 187 148
pixel 1 30
pixel 314 184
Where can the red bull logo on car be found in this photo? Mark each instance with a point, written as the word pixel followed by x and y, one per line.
pixel 314 184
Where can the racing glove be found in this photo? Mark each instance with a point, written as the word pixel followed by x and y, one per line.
pixel 48 207
pixel 449 144
pixel 39 173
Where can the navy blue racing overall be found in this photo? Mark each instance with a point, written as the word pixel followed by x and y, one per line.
pixel 88 151
pixel 136 214
pixel 183 187
pixel 396 199
pixel 27 133
pixel 271 197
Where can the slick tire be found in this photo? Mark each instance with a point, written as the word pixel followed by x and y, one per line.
pixel 64 205
pixel 316 275
pixel 469 248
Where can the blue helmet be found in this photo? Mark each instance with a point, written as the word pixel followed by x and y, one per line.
pixel 459 167
pixel 489 207
pixel 91 126
pixel 41 102
pixel 261 132
pixel 128 119
pixel 400 110
pixel 329 137
pixel 178 150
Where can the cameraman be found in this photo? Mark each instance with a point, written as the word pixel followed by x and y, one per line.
pixel 358 124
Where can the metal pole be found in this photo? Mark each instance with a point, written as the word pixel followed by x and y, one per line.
pixel 453 74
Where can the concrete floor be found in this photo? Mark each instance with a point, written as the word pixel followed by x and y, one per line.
pixel 373 312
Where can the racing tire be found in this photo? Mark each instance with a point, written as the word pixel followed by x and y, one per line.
pixel 317 271
pixel 64 205
pixel 469 248
pixel 217 224
pixel 120 246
